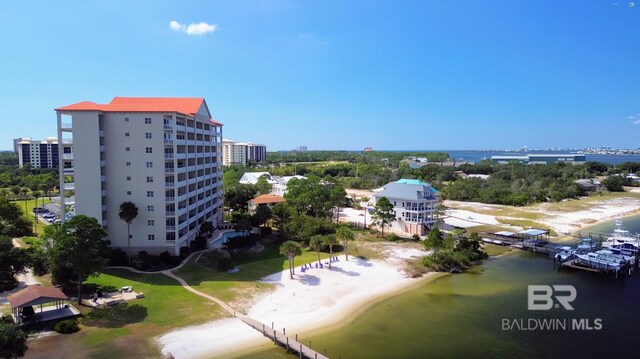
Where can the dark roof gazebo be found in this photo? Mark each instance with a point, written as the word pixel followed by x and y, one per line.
pixel 23 302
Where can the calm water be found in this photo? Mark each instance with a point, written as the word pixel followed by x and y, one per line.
pixel 461 316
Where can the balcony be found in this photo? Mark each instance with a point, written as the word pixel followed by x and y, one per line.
pixel 101 133
pixel 67 141
pixel 170 213
pixel 103 163
pixel 171 228
pixel 104 193
pixel 67 156
pixel 168 126
pixel 170 184
pixel 68 171
pixel 66 126
pixel 168 141
pixel 169 170
pixel 103 178
pixel 169 199
pixel 69 186
pixel 104 207
pixel 168 155
pixel 102 149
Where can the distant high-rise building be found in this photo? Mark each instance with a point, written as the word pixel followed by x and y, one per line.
pixel 300 149
pixel 241 153
pixel 36 153
pixel 162 154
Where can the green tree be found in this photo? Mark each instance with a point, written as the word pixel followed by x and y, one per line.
pixel 434 240
pixel 13 222
pixel 383 213
pixel 243 225
pixel 79 245
pixel 317 243
pixel 236 197
pixel 614 183
pixel 290 249
pixel 13 341
pixel 263 186
pixel 13 261
pixel 281 215
pixel 330 240
pixel 128 212
pixel 345 234
pixel 262 215
pixel 309 196
pixel 337 198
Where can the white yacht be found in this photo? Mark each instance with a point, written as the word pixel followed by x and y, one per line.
pixel 565 254
pixel 622 241
pixel 605 259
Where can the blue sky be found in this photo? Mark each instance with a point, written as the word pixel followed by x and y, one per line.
pixel 414 75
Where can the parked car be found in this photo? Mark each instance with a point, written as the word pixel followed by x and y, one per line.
pixel 49 215
pixel 40 210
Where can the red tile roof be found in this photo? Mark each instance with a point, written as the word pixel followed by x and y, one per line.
pixel 34 292
pixel 267 198
pixel 184 105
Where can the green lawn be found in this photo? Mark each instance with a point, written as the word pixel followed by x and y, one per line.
pixel 494 250
pixel 28 210
pixel 126 330
pixel 234 288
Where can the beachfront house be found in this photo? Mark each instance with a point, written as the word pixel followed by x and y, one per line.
pixel 280 184
pixel 414 202
pixel 268 200
pixel 253 177
pixel 591 185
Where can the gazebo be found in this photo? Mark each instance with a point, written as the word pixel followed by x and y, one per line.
pixel 25 302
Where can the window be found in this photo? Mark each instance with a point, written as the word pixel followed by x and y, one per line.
pixel 149 150
pixel 149 193
pixel 127 149
pixel 128 163
pixel 126 134
pixel 128 178
pixel 126 119
pixel 151 222
pixel 150 208
pixel 147 135
pixel 149 179
pixel 149 164
pixel 128 193
pixel 147 120
pixel 151 237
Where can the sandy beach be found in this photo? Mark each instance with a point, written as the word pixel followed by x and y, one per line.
pixel 315 299
pixel 563 222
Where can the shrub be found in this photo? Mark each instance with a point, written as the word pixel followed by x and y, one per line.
pixel 166 258
pixel 118 257
pixel 6 319
pixel 225 263
pixel 265 231
pixel 199 243
pixel 184 252
pixel 220 260
pixel 242 242
pixel 67 326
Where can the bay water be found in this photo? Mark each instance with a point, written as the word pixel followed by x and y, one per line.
pixel 464 315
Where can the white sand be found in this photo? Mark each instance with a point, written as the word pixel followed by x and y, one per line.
pixel 315 299
pixel 464 219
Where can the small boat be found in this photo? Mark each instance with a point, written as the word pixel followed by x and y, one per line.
pixel 565 254
pixel 603 259
pixel 497 241
pixel 487 240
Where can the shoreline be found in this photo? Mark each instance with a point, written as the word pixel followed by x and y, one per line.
pixel 316 301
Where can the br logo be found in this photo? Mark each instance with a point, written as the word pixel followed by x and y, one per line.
pixel 541 297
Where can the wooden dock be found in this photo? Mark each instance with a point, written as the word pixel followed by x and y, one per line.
pixel 280 338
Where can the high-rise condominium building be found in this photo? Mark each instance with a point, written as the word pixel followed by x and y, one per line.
pixel 162 154
pixel 38 154
pixel 241 153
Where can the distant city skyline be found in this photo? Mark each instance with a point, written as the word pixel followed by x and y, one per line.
pixel 335 75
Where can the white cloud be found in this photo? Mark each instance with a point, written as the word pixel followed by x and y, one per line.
pixel 636 122
pixel 198 29
pixel 175 26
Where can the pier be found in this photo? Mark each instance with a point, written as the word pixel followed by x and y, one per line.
pixel 280 338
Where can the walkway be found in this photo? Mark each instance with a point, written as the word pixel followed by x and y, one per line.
pixel 272 334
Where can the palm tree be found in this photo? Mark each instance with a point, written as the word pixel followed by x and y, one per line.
pixel 36 195
pixel 128 212
pixel 330 240
pixel 317 243
pixel 345 235
pixel 290 249
pixel 25 194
